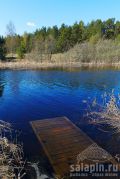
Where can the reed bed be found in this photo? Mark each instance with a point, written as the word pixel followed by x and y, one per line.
pixel 26 64
pixel 108 113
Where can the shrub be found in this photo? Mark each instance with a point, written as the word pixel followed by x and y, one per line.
pixel 21 51
pixel 94 39
pixel 2 49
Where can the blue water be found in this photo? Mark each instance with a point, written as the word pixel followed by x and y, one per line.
pixel 31 95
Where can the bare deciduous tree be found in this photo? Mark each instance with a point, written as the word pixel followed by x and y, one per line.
pixel 10 41
pixel 10 29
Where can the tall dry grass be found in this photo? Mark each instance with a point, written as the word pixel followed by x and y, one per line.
pixel 108 114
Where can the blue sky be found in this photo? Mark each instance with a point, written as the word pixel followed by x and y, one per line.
pixel 27 15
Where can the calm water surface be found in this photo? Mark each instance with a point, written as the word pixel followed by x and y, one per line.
pixel 31 95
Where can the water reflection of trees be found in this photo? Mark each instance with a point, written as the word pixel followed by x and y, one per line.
pixel 2 85
pixel 87 80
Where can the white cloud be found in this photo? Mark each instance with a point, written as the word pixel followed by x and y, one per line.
pixel 31 24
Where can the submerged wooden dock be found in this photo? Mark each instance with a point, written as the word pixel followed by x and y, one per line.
pixel 62 141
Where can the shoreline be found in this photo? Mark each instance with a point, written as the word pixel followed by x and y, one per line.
pixel 27 65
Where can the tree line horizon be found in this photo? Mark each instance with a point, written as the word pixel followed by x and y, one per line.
pixel 52 40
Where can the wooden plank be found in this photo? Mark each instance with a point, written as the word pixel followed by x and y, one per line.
pixel 62 141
